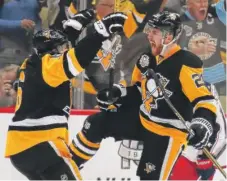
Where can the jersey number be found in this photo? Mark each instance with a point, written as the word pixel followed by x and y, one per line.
pixel 19 90
pixel 198 80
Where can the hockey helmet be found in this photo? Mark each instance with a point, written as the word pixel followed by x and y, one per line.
pixel 47 41
pixel 165 21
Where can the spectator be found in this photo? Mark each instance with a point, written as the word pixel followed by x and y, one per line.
pixel 8 76
pixel 204 35
pixel 53 12
pixel 18 20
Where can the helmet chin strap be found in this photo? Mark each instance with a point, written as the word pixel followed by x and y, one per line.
pixel 166 46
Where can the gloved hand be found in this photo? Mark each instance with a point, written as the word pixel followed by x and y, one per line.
pixel 205 169
pixel 110 24
pixel 103 96
pixel 79 20
pixel 202 129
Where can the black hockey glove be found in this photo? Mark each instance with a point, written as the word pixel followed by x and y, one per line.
pixel 103 96
pixel 202 129
pixel 110 24
pixel 79 20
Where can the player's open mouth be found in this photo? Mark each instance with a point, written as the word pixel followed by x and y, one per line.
pixel 152 43
pixel 202 11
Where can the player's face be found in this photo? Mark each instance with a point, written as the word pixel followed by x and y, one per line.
pixel 63 48
pixel 105 7
pixel 155 37
pixel 198 9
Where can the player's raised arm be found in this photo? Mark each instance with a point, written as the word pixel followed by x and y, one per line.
pixel 59 63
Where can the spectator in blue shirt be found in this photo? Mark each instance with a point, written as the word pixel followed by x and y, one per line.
pixel 18 21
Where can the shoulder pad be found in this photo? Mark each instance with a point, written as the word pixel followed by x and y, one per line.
pixel 191 60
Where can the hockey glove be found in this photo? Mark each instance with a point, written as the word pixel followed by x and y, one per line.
pixel 205 169
pixel 110 24
pixel 202 130
pixel 103 96
pixel 79 20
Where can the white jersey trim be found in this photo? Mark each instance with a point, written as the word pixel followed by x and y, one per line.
pixel 173 122
pixel 48 120
pixel 72 69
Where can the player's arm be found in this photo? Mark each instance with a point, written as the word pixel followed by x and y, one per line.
pixel 203 103
pixel 136 75
pixel 56 70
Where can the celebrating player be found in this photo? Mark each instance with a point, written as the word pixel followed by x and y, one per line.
pixel 38 134
pixel 144 114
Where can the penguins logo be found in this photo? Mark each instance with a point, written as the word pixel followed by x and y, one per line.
pixel 153 93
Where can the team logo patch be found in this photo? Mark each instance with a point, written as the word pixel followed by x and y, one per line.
pixel 106 57
pixel 144 61
pixel 188 30
pixel 152 93
pixel 203 45
pixel 149 167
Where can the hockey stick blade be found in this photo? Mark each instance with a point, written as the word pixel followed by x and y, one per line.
pixel 151 73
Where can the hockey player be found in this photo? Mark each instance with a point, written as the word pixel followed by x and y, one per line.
pixel 37 137
pixel 153 122
pixel 198 166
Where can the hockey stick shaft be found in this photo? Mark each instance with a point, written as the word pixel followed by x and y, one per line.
pixel 206 152
pixel 116 38
pixel 115 42
pixel 221 151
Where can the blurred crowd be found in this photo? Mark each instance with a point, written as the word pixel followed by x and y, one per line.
pixel 204 34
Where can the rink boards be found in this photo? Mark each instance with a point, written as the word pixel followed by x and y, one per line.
pixel 108 164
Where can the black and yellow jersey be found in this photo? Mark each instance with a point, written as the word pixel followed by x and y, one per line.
pixel 180 72
pixel 97 74
pixel 44 95
pixel 44 90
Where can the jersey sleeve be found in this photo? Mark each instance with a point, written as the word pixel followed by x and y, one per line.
pixel 136 75
pixel 58 69
pixel 72 9
pixel 196 91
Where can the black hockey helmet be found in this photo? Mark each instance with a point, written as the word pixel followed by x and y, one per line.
pixel 165 21
pixel 47 41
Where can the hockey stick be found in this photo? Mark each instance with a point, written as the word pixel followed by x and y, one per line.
pixel 216 157
pixel 220 152
pixel 117 39
pixel 206 152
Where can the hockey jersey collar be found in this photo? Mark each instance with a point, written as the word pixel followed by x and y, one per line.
pixel 172 51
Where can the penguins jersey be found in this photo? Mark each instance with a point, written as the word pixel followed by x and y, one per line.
pixel 43 100
pixel 181 75
pixel 98 71
pixel 207 39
